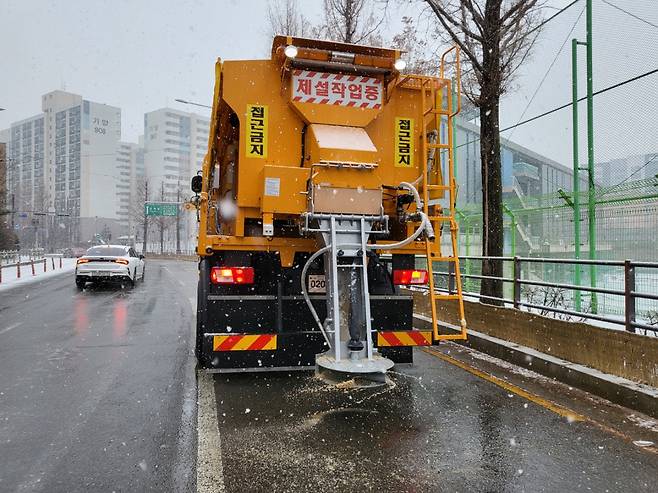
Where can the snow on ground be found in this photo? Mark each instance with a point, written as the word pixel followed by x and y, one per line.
pixel 10 279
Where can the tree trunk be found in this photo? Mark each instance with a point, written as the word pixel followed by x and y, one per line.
pixel 492 190
pixel 492 212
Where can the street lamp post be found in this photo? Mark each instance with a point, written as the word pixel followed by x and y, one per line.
pixel 192 103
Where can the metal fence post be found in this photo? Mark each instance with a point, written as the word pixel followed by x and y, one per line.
pixel 451 277
pixel 629 299
pixel 517 282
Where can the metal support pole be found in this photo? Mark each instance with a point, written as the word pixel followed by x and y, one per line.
pixel 146 219
pixel 467 267
pixel 178 221
pixel 513 224
pixel 451 277
pixel 517 282
pixel 591 198
pixel 576 170
pixel 13 214
pixel 454 130
pixel 629 299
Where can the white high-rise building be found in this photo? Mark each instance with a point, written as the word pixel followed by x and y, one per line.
pixel 63 161
pixel 175 143
pixel 130 166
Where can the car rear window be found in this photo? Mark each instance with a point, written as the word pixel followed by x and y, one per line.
pixel 95 251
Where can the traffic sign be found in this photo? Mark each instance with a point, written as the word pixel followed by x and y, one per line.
pixel 161 209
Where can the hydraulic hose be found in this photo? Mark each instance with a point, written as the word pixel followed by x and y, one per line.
pixel 425 225
pixel 305 292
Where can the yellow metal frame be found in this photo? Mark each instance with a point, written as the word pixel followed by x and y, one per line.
pixel 432 180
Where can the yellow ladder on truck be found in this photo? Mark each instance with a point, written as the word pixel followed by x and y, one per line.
pixel 436 151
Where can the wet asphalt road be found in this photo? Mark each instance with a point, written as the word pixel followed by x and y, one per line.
pixel 435 427
pixel 96 395
pixel 92 385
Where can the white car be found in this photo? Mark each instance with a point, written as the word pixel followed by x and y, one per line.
pixel 109 263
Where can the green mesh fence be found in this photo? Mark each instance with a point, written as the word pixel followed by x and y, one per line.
pixel 538 159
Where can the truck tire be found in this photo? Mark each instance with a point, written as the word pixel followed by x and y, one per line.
pixel 201 311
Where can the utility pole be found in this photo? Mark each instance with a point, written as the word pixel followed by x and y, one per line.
pixel 13 214
pixel 146 218
pixel 178 220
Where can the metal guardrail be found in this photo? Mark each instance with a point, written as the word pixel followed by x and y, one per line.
pixel 12 256
pixel 33 263
pixel 629 293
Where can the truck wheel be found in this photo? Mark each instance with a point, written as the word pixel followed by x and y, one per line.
pixel 80 283
pixel 201 311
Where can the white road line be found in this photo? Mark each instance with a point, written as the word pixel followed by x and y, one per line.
pixel 209 470
pixel 11 327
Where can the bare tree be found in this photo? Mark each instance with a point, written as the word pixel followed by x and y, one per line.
pixel 496 37
pixel 419 54
pixel 284 17
pixel 138 215
pixel 352 21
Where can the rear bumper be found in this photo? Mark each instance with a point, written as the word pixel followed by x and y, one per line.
pixel 225 352
pixel 97 275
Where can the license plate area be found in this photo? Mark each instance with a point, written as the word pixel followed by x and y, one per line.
pixel 317 283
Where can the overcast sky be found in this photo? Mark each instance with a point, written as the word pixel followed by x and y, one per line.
pixel 142 54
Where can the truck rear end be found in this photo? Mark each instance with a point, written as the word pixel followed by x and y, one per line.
pixel 328 173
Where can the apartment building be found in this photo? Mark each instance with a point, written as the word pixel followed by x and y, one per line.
pixel 175 143
pixel 130 168
pixel 62 161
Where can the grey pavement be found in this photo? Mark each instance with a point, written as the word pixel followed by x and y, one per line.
pixel 92 384
pixel 97 394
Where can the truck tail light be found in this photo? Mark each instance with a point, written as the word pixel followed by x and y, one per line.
pixel 122 261
pixel 406 277
pixel 82 261
pixel 232 275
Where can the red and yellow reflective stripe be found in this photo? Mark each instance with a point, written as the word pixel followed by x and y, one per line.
pixel 238 342
pixel 404 338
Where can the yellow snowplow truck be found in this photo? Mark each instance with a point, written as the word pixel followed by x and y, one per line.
pixel 326 187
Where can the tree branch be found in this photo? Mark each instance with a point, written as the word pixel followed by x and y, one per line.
pixel 444 19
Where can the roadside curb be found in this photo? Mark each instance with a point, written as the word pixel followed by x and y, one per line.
pixel 616 389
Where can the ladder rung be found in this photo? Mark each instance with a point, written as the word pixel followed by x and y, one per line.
pixel 446 296
pixel 439 218
pixel 437 112
pixel 343 266
pixel 438 146
pixel 444 259
pixel 437 187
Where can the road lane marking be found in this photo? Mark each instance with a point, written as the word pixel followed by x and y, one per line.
pixel 209 472
pixel 11 327
pixel 556 408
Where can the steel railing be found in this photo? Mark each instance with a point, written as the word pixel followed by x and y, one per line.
pixel 629 293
